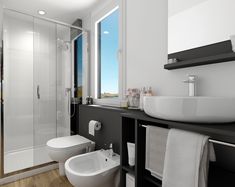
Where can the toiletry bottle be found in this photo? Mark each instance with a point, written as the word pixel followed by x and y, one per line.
pixel 124 104
pixel 149 91
pixel 142 94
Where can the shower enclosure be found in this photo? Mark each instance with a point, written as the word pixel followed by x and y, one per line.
pixel 36 88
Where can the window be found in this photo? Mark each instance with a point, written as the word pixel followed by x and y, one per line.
pixel 107 50
pixel 78 67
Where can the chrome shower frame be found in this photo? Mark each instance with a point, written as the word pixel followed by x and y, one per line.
pixel 2 175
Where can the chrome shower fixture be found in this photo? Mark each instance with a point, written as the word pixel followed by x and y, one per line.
pixel 64 45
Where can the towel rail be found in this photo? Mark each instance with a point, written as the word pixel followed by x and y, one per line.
pixel 212 141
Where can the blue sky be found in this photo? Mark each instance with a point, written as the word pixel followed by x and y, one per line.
pixel 109 48
pixel 79 60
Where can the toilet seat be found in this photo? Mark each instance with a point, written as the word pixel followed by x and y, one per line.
pixel 61 149
pixel 68 142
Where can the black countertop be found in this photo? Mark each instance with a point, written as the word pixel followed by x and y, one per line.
pixel 223 132
pixel 218 131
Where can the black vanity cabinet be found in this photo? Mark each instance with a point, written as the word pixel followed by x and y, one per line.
pixel 222 172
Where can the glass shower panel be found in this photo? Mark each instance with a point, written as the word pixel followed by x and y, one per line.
pixel 44 88
pixel 18 91
pixel 64 77
pixel 37 77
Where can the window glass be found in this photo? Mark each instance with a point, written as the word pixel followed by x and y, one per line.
pixel 78 67
pixel 108 61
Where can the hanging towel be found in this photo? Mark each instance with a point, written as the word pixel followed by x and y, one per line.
pixel 187 159
pixel 156 139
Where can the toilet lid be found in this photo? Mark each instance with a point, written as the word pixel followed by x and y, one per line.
pixel 68 142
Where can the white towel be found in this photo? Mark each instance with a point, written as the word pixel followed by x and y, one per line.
pixel 156 139
pixel 187 159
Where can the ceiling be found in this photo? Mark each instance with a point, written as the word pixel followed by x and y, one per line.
pixel 62 10
pixel 176 6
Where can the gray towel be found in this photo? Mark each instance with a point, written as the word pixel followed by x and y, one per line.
pixel 156 139
pixel 187 159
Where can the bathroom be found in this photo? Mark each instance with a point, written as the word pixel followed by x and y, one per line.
pixel 76 121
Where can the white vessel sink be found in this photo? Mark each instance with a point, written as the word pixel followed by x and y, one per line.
pixel 191 109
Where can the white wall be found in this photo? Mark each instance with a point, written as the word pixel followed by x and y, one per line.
pixel 205 23
pixel 147 54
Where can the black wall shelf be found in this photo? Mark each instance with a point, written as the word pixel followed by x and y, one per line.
pixel 153 181
pixel 221 171
pixel 201 61
pixel 129 169
pixel 210 54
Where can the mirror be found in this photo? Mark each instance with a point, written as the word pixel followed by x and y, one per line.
pixel 197 23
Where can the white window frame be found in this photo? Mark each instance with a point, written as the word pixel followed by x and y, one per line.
pixel 96 17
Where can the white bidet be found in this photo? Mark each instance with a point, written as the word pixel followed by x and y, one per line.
pixel 93 169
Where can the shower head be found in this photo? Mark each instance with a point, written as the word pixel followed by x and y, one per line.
pixel 64 45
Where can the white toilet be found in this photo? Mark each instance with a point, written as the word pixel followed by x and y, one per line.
pixel 61 149
pixel 95 169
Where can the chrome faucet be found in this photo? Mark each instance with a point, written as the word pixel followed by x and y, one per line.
pixel 191 85
pixel 110 150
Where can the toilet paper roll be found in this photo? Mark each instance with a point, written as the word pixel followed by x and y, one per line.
pixel 94 125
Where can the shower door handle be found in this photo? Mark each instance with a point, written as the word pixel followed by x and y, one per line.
pixel 38 92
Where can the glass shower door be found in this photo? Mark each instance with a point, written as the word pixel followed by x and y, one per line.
pixel 37 70
pixel 45 86
pixel 18 91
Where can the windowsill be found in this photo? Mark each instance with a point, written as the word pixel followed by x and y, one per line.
pixel 108 102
